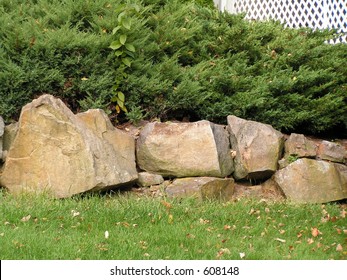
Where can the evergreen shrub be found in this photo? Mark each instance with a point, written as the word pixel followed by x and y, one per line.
pixel 191 61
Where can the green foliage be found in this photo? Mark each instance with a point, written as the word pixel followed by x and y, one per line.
pixel 124 51
pixel 187 61
pixel 292 158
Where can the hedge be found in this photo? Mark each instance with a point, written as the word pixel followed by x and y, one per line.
pixel 191 62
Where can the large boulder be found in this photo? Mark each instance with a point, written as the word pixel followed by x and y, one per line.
pixel 314 181
pixel 184 149
pixel 201 188
pixel 2 128
pixel 257 147
pixel 63 154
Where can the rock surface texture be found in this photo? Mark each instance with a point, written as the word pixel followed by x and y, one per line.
pixel 299 146
pixel 257 147
pixel 149 179
pixel 201 188
pixel 331 151
pixel 63 154
pixel 308 180
pixel 184 149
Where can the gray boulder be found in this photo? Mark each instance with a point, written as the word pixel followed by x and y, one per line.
pixel 184 149
pixel 257 146
pixel 331 151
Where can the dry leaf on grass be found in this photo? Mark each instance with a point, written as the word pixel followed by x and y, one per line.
pixel 315 232
pixel 310 240
pixel 203 221
pixel 26 218
pixel 339 248
pixel 75 213
pixel 280 240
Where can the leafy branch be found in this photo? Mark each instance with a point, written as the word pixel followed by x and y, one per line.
pixel 124 51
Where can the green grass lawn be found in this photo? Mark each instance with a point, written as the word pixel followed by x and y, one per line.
pixel 126 226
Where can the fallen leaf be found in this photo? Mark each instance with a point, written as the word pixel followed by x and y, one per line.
pixel 343 213
pixel 167 205
pixel 315 232
pixel 339 248
pixel 325 218
pixel 242 255
pixel 267 210
pixel 26 218
pixel 310 240
pixel 223 251
pixel 280 240
pixel 125 224
pixel 203 221
pixel 227 227
pixel 282 231
pixel 146 255
pixel 345 231
pixel 75 213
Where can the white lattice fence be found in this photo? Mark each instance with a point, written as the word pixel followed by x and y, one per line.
pixel 316 14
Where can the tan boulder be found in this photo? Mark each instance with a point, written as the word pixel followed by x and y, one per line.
pixel 257 148
pixel 184 149
pixel 59 153
pixel 201 188
pixel 299 146
pixel 314 181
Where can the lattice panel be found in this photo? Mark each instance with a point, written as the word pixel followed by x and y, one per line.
pixel 316 14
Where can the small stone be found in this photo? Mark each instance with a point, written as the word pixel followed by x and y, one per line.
pixel 146 179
